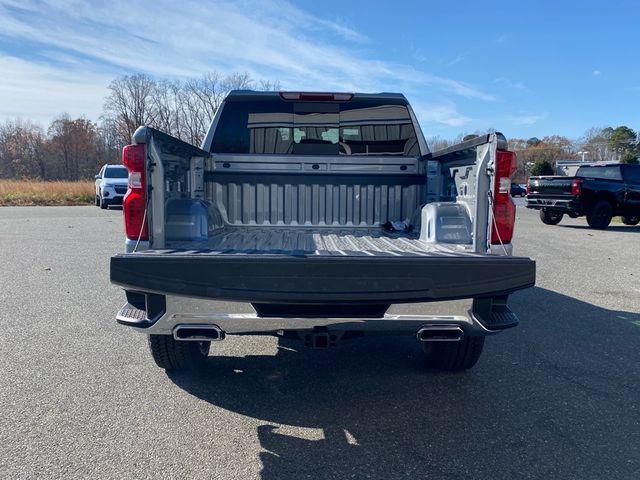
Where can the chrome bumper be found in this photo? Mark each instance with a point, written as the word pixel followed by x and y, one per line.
pixel 554 204
pixel 250 323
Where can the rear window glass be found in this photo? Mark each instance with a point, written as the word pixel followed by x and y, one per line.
pixel 608 173
pixel 274 126
pixel 115 172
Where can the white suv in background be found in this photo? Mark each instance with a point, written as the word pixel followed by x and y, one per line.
pixel 111 185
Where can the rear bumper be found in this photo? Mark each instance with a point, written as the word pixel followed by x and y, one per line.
pixel 321 280
pixel 556 204
pixel 485 317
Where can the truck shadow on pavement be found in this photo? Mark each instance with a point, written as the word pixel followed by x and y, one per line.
pixel 610 228
pixel 557 397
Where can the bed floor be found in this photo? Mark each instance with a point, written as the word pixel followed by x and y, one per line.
pixel 333 241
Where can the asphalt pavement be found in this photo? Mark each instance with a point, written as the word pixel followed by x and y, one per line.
pixel 80 397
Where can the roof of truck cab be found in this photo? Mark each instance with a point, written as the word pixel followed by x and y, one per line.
pixel 237 94
pixel 597 164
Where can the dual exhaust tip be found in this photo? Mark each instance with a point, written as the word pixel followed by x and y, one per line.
pixel 213 333
pixel 440 333
pixel 198 333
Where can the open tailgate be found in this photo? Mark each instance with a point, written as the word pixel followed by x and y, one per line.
pixel 260 278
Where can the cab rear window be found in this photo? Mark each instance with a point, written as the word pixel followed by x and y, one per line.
pixel 608 173
pixel 361 126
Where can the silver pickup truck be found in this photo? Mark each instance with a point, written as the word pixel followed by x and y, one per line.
pixel 320 213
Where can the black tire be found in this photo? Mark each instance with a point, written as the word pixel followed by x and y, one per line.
pixel 600 215
pixel 453 356
pixel 103 204
pixel 549 217
pixel 173 355
pixel 97 201
pixel 630 220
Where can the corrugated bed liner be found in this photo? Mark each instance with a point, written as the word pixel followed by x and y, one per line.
pixel 327 241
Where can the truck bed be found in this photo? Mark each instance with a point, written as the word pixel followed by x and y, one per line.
pixel 297 241
pixel 285 229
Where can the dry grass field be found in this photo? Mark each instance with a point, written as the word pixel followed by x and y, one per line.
pixel 36 192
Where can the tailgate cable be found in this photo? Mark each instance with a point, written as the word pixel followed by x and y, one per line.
pixel 144 219
pixel 146 207
pixel 495 225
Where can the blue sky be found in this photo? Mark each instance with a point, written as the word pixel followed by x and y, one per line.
pixel 524 68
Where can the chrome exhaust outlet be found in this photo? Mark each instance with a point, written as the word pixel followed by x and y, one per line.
pixel 198 333
pixel 440 333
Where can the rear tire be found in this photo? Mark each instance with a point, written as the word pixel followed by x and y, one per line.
pixel 549 217
pixel 453 356
pixel 629 220
pixel 173 355
pixel 600 215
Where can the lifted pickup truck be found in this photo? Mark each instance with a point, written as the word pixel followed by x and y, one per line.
pixel 320 211
pixel 597 191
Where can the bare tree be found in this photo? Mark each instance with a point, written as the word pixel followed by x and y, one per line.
pixel 269 85
pixel 110 141
pixel 597 141
pixel 201 100
pixel 22 150
pixel 167 99
pixel 182 109
pixel 74 147
pixel 130 103
pixel 237 81
pixel 203 96
pixel 438 143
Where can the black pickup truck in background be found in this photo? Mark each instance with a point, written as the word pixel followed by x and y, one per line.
pixel 599 192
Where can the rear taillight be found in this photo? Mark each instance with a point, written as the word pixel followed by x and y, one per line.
pixel 527 190
pixel 135 201
pixel 504 210
pixel 576 187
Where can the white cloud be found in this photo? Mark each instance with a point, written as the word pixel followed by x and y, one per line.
pixel 517 85
pixel 89 43
pixel 443 114
pixel 596 73
pixel 459 58
pixel 304 20
pixel 40 92
pixel 524 118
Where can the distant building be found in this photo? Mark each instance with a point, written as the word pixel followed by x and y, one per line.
pixel 568 168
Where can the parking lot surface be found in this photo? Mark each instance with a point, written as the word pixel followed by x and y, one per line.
pixel 557 397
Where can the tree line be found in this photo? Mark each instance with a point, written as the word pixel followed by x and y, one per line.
pixel 76 148
pixel 538 156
